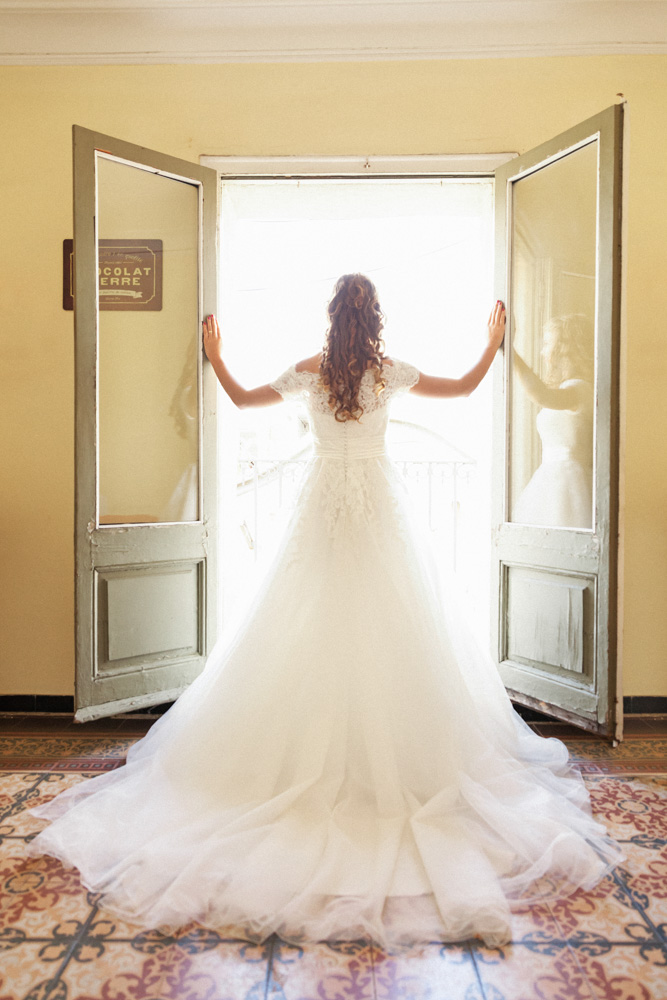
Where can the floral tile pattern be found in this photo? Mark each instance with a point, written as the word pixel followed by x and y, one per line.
pixel 429 971
pixel 50 751
pixel 56 943
pixel 328 972
pixel 633 756
pixel 113 968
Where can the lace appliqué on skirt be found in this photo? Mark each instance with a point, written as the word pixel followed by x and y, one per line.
pixel 346 491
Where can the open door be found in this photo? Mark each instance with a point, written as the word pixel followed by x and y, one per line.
pixel 144 275
pixel 555 518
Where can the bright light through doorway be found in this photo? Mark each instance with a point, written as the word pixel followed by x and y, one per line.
pixel 427 244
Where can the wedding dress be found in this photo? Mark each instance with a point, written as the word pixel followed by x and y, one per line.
pixel 560 492
pixel 350 764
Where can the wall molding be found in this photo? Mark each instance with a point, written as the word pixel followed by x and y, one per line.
pixel 309 55
pixel 150 32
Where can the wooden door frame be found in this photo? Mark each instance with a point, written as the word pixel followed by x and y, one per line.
pixel 608 421
pixel 196 536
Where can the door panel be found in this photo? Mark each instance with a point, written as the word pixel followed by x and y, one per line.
pixel 553 241
pixel 145 424
pixel 148 359
pixel 131 637
pixel 549 621
pixel 556 418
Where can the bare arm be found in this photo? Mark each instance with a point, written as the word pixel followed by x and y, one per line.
pixel 550 397
pixel 434 385
pixel 262 395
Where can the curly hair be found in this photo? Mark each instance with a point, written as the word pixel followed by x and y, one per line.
pixel 573 352
pixel 353 344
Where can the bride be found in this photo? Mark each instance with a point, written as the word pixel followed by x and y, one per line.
pixel 349 764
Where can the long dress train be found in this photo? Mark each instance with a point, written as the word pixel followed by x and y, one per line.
pixel 350 764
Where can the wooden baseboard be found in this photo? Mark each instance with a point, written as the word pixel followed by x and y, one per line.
pixel 64 705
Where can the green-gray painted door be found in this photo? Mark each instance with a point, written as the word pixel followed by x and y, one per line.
pixel 555 520
pixel 144 275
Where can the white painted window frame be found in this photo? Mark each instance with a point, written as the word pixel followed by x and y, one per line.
pixel 451 165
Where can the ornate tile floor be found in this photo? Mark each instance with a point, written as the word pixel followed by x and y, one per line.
pixel 56 944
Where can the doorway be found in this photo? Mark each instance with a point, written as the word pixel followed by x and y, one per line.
pixel 427 243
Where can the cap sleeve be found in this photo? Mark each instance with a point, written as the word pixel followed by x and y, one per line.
pixel 403 375
pixel 289 384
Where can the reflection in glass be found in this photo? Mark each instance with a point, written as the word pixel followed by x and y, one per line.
pixel 552 389
pixel 148 361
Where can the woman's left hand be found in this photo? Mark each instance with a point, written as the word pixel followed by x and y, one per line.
pixel 496 325
pixel 212 338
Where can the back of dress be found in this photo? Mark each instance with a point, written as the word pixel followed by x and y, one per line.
pixel 350 473
pixel 334 437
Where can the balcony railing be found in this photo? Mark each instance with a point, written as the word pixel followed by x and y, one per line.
pixel 440 491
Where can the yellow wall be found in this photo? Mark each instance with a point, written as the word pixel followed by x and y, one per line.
pixel 371 108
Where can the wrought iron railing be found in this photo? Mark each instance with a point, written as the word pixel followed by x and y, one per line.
pixel 438 489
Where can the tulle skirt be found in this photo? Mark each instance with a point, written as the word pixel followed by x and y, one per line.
pixel 348 764
pixel 559 494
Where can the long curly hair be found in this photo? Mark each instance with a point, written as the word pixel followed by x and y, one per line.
pixel 573 352
pixel 353 343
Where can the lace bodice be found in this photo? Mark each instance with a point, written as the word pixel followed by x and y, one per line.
pixel 352 438
pixel 348 451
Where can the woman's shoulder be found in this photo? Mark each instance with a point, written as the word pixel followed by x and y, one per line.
pixel 309 366
pixel 296 380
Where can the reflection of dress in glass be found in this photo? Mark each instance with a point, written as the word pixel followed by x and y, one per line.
pixel 350 764
pixel 560 491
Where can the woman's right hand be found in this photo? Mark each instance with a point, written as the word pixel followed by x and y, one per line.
pixel 496 325
pixel 212 338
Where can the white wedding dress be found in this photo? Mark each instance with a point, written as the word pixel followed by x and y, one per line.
pixel 350 763
pixel 560 491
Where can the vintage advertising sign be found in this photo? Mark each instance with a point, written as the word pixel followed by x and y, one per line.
pixel 129 274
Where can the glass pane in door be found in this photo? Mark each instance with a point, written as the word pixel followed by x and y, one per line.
pixel 149 337
pixel 552 366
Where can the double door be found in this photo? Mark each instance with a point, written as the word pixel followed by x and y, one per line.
pixel 146 497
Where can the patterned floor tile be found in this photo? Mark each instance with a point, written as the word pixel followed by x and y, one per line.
pixel 550 972
pixel 613 942
pixel 643 876
pixel 633 756
pixel 28 970
pixel 621 975
pixel 608 944
pixel 321 972
pixel 38 895
pixel 427 972
pixel 630 806
pixel 15 789
pixel 537 965
pixel 49 751
pixel 12 783
pixel 117 970
pixel 603 911
pixel 528 922
pixel 39 787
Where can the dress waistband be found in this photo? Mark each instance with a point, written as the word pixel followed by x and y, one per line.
pixel 351 450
